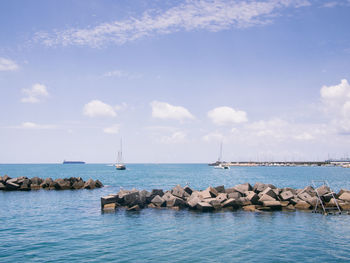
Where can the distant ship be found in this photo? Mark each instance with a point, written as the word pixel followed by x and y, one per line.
pixel 119 164
pixel 73 162
pixel 219 164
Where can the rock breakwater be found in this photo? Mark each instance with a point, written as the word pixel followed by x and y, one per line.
pixel 26 184
pixel 260 197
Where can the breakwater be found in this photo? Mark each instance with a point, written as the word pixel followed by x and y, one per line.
pixel 26 184
pixel 260 197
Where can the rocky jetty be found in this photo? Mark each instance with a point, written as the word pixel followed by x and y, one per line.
pixel 26 184
pixel 260 197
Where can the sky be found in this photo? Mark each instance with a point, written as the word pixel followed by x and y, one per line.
pixel 173 79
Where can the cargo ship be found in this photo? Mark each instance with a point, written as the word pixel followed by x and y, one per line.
pixel 73 162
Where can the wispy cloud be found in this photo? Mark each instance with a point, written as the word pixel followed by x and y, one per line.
pixel 114 129
pixel 8 65
pixel 34 126
pixel 188 16
pixel 35 94
pixel 227 115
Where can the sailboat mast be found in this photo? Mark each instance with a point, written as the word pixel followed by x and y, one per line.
pixel 220 153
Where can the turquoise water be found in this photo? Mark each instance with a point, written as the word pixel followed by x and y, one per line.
pixel 68 226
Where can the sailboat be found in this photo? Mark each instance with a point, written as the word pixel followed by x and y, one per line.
pixel 119 164
pixel 219 164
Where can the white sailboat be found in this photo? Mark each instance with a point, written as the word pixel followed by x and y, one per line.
pixel 220 164
pixel 119 164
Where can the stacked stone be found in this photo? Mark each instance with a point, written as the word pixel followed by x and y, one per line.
pixel 26 184
pixel 260 197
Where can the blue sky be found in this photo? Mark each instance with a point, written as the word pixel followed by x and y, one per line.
pixel 174 78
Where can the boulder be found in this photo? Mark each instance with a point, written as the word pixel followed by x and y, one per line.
pixel 302 205
pixel 294 192
pixel 98 184
pixel 230 190
pixel 188 189
pixel 327 197
pixel 12 180
pixel 343 191
pixel 230 203
pixel 312 201
pixel 242 201
pixel 259 187
pixel 222 197
pixel 175 201
pixel 62 184
pixel 24 187
pixel 216 204
pixel 2 186
pixel 323 190
pixel 253 198
pixel 304 196
pixel 274 205
pixel 109 199
pixel 309 190
pixel 36 180
pixel 286 195
pixel 266 197
pixel 179 192
pixel 345 206
pixel 269 191
pixel 78 184
pixel 11 186
pixel 205 194
pixel 144 197
pixel 132 198
pixel 345 197
pixel 46 183
pixel 204 207
pixel 284 203
pixel 290 207
pixel 234 195
pixel 157 192
pixel 5 178
pixel 193 201
pixel 151 205
pixel 243 188
pixel 220 189
pixel 158 201
pixel 89 184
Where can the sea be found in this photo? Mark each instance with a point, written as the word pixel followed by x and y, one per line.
pixel 68 226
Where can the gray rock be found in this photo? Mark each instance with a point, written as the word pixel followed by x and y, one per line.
pixel 2 186
pixel 98 184
pixel 134 208
pixel 36 180
pixel 176 201
pixel 220 189
pixel 179 191
pixel 90 184
pixel 158 201
pixel 109 199
pixel 323 190
pixel 243 188
pixel 192 202
pixel 253 198
pixel 309 190
pixel 11 186
pixel 274 205
pixel 230 203
pixel 78 184
pixel 222 197
pixel 345 197
pixel 234 195
pixel 304 196
pixel 259 187
pixel 230 190
pixel 286 195
pixel 266 197
pixel 204 207
pixel 302 205
pixel 5 178
pixel 132 198
pixel 269 191
pixel 12 180
pixel 188 189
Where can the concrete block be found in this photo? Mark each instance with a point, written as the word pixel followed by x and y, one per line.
pixel 323 190
pixel 158 201
pixel 90 184
pixel 204 207
pixel 309 190
pixel 36 180
pixel 286 195
pixel 242 201
pixel 243 188
pixel 179 191
pixel 2 186
pixel 234 195
pixel 109 207
pixel 176 201
pixel 266 197
pixel 345 197
pixel 220 189
pixel 230 203
pixel 132 198
pixel 259 187
pixel 134 208
pixel 302 205
pixel 188 189
pixel 222 197
pixel 230 190
pixel 304 196
pixel 274 205
pixel 193 201
pixel 253 198
pixel 11 186
pixel 345 206
pixel 109 199
pixel 270 192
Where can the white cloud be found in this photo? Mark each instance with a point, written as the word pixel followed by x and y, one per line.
pixel 188 16
pixel 35 94
pixel 7 65
pixel 114 129
pixel 304 137
pixel 97 108
pixel 336 92
pixel 226 115
pixel 35 126
pixel 163 110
